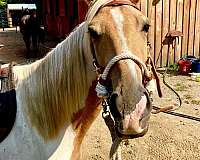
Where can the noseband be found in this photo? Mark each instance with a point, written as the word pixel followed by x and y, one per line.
pixel 101 88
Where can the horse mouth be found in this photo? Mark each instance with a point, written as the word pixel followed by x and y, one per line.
pixel 135 124
pixel 125 134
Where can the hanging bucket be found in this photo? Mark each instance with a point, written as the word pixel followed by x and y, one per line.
pixel 192 59
pixel 184 66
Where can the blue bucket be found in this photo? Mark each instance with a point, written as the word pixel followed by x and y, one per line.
pixel 196 66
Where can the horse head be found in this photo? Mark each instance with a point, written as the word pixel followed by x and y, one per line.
pixel 118 32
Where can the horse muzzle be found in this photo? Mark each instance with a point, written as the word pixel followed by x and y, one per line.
pixel 135 124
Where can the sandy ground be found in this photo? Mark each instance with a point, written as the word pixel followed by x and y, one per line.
pixel 14 48
pixel 168 138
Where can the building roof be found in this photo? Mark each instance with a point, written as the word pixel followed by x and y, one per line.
pixel 21 6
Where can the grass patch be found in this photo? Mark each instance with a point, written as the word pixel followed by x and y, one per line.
pixel 172 69
pixel 180 87
pixel 195 102
pixel 187 96
pixel 186 102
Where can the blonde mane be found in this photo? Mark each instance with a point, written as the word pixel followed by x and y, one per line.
pixel 54 88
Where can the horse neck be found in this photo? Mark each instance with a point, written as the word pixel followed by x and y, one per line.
pixel 56 85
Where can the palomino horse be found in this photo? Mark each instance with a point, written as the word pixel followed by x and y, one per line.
pixel 56 97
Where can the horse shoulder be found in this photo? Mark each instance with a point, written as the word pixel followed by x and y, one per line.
pixel 84 118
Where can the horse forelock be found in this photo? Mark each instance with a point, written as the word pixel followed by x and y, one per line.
pixel 55 87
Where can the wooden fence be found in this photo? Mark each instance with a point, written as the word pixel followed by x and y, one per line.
pixel 168 15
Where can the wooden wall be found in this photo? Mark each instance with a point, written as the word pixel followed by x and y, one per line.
pixel 167 15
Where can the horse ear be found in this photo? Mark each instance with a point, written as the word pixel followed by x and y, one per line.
pixel 135 1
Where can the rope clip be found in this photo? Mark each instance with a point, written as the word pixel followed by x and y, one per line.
pixel 105 112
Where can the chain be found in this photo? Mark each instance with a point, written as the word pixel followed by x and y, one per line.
pixel 106 111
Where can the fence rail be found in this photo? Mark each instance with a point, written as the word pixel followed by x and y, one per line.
pixel 168 15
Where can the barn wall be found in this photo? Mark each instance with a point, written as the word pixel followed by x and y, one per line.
pixel 182 15
pixel 61 16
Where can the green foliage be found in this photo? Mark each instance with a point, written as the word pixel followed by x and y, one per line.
pixel 3 4
pixel 173 67
pixel 16 1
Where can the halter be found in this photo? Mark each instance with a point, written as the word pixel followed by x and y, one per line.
pixel 103 88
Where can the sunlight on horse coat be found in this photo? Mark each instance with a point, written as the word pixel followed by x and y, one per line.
pixel 56 95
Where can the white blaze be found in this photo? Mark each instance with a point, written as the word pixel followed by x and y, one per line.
pixel 119 21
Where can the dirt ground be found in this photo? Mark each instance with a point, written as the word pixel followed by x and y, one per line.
pixel 169 137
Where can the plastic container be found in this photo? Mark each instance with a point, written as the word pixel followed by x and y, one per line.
pixel 185 66
pixel 196 66
pixel 195 76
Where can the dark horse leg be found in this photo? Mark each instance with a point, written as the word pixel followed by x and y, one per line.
pixel 27 40
pixel 35 44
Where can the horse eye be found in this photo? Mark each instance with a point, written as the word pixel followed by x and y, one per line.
pixel 146 28
pixel 93 33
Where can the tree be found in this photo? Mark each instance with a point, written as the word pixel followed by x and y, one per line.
pixel 2 4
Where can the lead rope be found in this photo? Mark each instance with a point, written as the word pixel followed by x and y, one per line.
pixel 115 151
pixel 168 108
pixel 103 93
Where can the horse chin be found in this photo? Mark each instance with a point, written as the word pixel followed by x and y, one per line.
pixel 126 134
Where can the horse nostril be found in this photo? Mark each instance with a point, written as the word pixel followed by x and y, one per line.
pixel 113 98
pixel 123 112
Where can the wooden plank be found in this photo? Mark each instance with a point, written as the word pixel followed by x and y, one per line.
pixel 172 27
pixel 151 13
pixel 162 35
pixel 191 28
pixel 197 31
pixel 179 27
pixel 144 7
pixel 158 33
pixel 182 15
pixel 185 27
pixel 165 30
